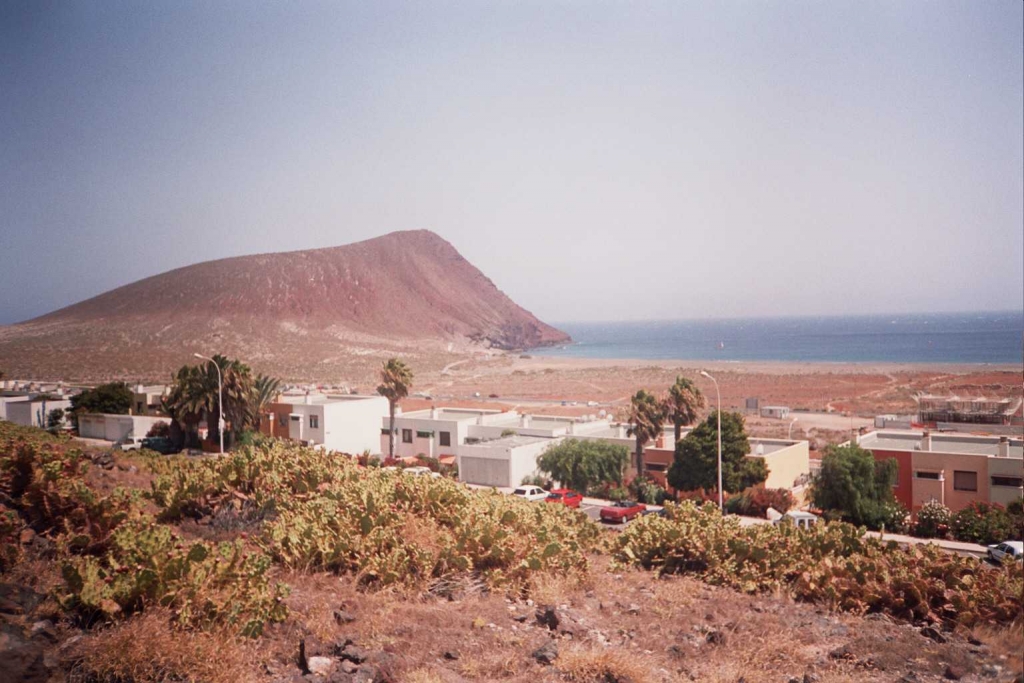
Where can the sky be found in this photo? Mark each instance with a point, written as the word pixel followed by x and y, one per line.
pixel 598 161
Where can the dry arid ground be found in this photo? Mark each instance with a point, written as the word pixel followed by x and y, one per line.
pixel 858 389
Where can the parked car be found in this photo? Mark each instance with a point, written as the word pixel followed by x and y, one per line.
pixel 1014 550
pixel 421 472
pixel 622 511
pixel 530 493
pixel 160 444
pixel 131 443
pixel 564 497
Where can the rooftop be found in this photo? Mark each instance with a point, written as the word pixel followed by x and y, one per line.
pixel 940 443
pixel 512 441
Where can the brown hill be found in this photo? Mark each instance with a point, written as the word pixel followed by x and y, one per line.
pixel 306 314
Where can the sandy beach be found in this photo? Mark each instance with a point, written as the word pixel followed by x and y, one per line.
pixel 856 389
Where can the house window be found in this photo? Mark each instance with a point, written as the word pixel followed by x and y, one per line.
pixel 282 420
pixel 406 436
pixel 314 421
pixel 445 438
pixel 138 407
pixel 655 467
pixel 1012 482
pixel 965 481
pixel 927 475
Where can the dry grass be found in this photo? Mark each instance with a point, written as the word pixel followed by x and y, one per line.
pixel 602 665
pixel 146 649
pixel 1005 642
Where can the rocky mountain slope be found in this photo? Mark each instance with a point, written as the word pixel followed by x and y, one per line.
pixel 304 314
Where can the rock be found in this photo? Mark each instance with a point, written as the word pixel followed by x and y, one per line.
pixel 811 677
pixel 320 666
pixel 368 673
pixel 715 637
pixel 547 616
pixel 952 673
pixel 451 655
pixel 991 670
pixel 521 618
pixel 20 659
pixel 633 608
pixel 348 667
pixel 354 653
pixel 933 633
pixel 842 653
pixel 343 617
pixel 309 647
pixel 547 653
pixel 44 629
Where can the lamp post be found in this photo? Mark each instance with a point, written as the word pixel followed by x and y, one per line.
pixel 721 497
pixel 790 435
pixel 220 400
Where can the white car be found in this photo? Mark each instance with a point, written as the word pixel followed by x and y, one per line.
pixel 131 443
pixel 1007 549
pixel 530 493
pixel 421 472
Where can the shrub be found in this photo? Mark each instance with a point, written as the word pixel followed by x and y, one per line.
pixel 933 520
pixel 831 564
pixel 163 430
pixel 755 501
pixel 647 491
pixel 983 523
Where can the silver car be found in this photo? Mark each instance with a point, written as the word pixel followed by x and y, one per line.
pixel 1013 550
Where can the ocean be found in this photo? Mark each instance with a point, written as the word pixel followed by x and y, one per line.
pixel 994 338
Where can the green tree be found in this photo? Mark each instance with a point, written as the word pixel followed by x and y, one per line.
pixel 853 486
pixel 264 392
pixel 582 465
pixel 645 416
pixel 112 398
pixel 395 381
pixel 682 404
pixel 695 465
pixel 194 395
pixel 55 420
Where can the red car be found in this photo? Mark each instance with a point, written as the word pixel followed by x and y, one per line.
pixel 622 511
pixel 565 497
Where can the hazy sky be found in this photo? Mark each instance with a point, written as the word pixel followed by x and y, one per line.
pixel 597 160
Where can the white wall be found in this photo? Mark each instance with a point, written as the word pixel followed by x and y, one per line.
pixel 351 425
pixel 115 427
pixel 5 400
pixel 30 413
pixel 519 460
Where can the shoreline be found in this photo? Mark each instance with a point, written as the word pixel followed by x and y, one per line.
pixel 766 365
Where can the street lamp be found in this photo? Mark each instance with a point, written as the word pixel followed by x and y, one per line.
pixel 220 400
pixel 721 498
pixel 790 435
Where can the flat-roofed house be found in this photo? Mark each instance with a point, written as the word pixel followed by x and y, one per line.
pixel 346 423
pixel 954 469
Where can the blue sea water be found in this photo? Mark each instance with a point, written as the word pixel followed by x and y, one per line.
pixel 921 338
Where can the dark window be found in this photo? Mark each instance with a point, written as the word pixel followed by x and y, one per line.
pixel 656 467
pixel 1012 482
pixel 965 481
pixel 138 407
pixel 282 420
pixel 445 438
pixel 314 421
pixel 406 436
pixel 928 475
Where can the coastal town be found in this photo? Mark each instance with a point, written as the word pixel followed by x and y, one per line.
pixel 952 453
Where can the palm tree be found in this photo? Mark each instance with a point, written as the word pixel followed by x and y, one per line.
pixel 682 403
pixel 194 395
pixel 645 416
pixel 264 392
pixel 185 403
pixel 395 380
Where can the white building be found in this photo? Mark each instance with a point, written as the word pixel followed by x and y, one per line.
pixel 345 423
pixel 776 412
pixel 115 428
pixel 34 411
pixel 502 462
